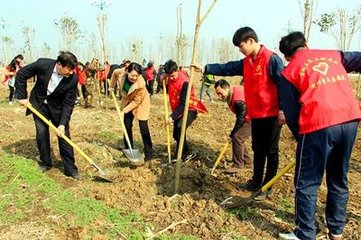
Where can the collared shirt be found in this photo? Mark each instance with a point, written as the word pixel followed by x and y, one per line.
pixel 53 82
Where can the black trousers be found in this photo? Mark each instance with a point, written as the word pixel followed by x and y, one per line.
pixel 265 138
pixel 43 142
pixel 11 93
pixel 150 85
pixel 84 91
pixel 144 131
pixel 177 128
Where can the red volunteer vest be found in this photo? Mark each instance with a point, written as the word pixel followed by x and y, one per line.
pixel 237 95
pixel 149 73
pixel 81 76
pixel 174 92
pixel 260 90
pixel 326 95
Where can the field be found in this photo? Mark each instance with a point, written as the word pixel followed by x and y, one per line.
pixel 140 202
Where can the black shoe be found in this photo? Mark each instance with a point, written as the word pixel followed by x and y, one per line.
pixel 44 168
pixel 76 176
pixel 249 185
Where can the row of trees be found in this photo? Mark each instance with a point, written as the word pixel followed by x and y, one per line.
pixel 341 24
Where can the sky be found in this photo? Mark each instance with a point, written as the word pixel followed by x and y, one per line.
pixel 153 20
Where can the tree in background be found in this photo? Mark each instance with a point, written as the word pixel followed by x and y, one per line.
pixel 45 50
pixel 29 34
pixel 137 50
pixel 341 25
pixel 70 31
pixel 181 39
pixel 7 42
pixel 307 8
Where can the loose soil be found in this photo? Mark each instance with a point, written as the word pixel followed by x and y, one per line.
pixel 149 189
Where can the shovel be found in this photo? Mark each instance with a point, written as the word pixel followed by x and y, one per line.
pixel 167 126
pixel 133 155
pixel 220 157
pixel 102 174
pixel 244 201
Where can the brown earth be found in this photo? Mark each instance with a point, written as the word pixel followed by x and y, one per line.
pixel 149 190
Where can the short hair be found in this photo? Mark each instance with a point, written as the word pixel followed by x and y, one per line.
pixel 222 83
pixel 134 66
pixel 170 66
pixel 290 43
pixel 67 59
pixel 243 34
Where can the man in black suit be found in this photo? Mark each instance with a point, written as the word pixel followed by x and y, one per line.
pixel 54 96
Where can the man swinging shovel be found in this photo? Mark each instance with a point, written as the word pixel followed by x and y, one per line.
pixel 53 97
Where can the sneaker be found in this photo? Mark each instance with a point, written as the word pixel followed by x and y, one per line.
pixel 189 157
pixel 249 185
pixel 10 103
pixel 334 236
pixel 288 236
pixel 264 195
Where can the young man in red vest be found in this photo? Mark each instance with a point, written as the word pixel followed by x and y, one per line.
pixel 234 96
pixel 261 70
pixel 323 115
pixel 177 91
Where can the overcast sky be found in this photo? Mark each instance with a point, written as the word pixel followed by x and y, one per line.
pixel 150 19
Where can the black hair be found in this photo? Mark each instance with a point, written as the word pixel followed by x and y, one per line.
pixel 13 62
pixel 136 67
pixel 222 83
pixel 243 34
pixel 67 59
pixel 170 66
pixel 290 43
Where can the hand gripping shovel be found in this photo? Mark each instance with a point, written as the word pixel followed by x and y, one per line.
pixel 166 117
pixel 102 174
pixel 220 157
pixel 244 201
pixel 133 155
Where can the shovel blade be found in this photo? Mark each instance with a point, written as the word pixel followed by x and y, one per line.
pixel 134 156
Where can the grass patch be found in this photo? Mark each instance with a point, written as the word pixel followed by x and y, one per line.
pixel 26 193
pixel 29 195
pixel 244 213
pixel 109 136
pixel 285 209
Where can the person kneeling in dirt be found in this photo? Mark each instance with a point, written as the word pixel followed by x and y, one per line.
pixel 177 82
pixel 234 96
pixel 135 102
pixel 54 96
pixel 323 115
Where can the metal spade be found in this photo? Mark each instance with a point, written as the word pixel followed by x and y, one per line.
pixel 133 155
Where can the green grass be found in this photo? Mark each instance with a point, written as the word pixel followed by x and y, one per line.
pixel 29 195
pixel 285 209
pixel 110 136
pixel 25 193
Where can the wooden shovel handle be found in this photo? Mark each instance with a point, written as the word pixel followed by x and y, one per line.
pixel 71 143
pixel 220 156
pixel 166 117
pixel 121 120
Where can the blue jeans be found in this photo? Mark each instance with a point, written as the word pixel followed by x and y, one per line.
pixel 327 149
